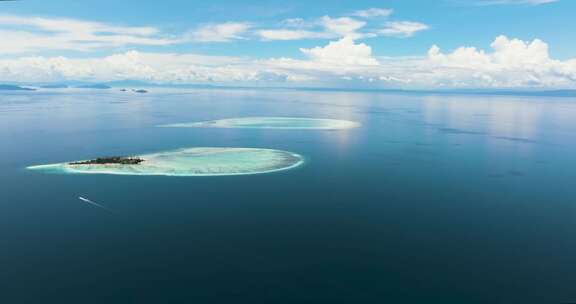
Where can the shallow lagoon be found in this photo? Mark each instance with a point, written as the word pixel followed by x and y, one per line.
pixel 203 161
pixel 271 123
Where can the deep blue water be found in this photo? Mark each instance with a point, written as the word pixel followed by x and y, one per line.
pixel 435 199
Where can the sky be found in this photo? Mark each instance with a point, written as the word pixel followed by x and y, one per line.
pixel 433 44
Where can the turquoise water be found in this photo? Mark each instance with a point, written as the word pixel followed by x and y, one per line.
pixel 204 161
pixel 303 123
pixel 441 199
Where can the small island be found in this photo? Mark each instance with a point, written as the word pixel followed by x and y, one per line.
pixel 197 161
pixel 119 160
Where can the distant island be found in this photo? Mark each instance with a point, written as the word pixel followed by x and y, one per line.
pixel 10 87
pixel 141 91
pixel 137 86
pixel 94 86
pixel 54 86
pixel 120 160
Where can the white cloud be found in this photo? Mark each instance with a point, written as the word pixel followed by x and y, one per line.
pixel 507 53
pixel 342 52
pixel 222 32
pixel 79 27
pixel 512 63
pixel 344 26
pixel 329 28
pixel 402 28
pixel 284 34
pixel 27 34
pixel 298 29
pixel 38 35
pixel 373 12
pixel 324 28
pixel 508 63
pixel 156 67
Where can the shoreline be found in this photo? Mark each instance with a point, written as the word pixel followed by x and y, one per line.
pixel 108 169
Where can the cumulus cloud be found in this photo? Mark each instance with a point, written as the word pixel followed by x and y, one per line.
pixel 512 63
pixel 156 67
pixel 26 34
pixel 509 63
pixel 342 52
pixel 222 32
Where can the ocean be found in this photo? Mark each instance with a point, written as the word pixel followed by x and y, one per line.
pixel 433 199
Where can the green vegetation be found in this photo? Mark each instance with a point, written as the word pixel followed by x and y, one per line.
pixel 110 160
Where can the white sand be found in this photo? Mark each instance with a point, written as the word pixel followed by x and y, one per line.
pixel 192 162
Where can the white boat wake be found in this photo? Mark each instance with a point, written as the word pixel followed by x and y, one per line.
pixel 94 204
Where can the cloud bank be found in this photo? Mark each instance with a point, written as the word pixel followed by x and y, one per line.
pixel 508 63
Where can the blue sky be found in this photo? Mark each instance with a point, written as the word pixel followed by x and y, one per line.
pixel 381 43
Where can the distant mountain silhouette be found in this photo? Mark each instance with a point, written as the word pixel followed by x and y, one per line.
pixel 125 84
pixel 10 87
pixel 94 86
pixel 129 83
pixel 55 86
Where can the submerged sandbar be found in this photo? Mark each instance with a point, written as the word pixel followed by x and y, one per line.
pixel 205 161
pixel 271 123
